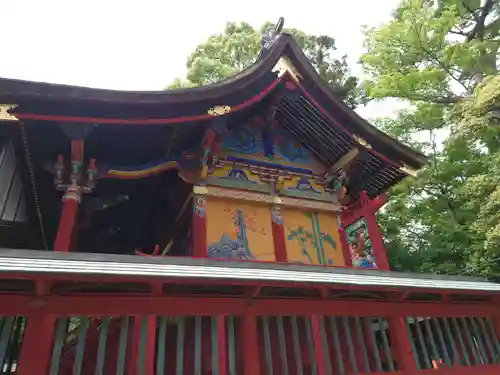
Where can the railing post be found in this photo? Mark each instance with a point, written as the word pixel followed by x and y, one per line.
pixel 250 345
pixel 400 345
pixel 142 346
pixel 222 345
pixel 36 348
pixel 319 345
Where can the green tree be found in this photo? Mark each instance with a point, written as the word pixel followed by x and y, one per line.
pixel 436 55
pixel 228 53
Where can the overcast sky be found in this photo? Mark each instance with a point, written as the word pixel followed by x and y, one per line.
pixel 143 45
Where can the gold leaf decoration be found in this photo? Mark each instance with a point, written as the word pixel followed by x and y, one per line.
pixel 408 170
pixel 284 65
pixel 5 114
pixel 219 110
pixel 362 142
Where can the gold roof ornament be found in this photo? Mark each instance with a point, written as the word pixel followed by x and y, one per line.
pixel 5 114
pixel 284 65
pixel 408 170
pixel 362 142
pixel 219 110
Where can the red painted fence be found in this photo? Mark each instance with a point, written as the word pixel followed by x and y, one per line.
pixel 87 335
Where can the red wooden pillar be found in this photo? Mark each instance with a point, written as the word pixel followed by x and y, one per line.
pixel 145 365
pixel 278 235
pixel 67 220
pixel 222 345
pixel 36 350
pixel 319 346
pixel 400 345
pixel 345 247
pixel 199 234
pixel 250 343
pixel 378 248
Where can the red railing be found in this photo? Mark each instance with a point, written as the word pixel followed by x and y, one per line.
pixel 229 336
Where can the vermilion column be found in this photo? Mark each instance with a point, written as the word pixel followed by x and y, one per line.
pixel 345 247
pixel 401 346
pixel 67 220
pixel 250 345
pixel 278 235
pixel 222 345
pixel 199 244
pixel 35 355
pixel 379 251
pixel 141 360
pixel 319 344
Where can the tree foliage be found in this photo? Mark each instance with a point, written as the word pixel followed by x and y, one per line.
pixel 228 53
pixel 441 57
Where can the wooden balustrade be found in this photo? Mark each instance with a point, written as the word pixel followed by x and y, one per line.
pixel 219 344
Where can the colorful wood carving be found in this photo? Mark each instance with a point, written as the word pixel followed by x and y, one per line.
pixel 260 141
pixel 238 230
pixel 312 238
pixel 359 244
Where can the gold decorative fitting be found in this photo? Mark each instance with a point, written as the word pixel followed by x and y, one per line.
pixel 5 114
pixel 284 65
pixel 408 170
pixel 362 142
pixel 219 110
pixel 200 190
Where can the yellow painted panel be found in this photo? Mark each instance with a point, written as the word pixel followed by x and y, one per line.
pixel 312 238
pixel 239 230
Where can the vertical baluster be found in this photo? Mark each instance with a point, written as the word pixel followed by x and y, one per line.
pixel 442 343
pixel 180 346
pixel 350 346
pixel 494 336
pixel 451 340
pixel 101 346
pixel 215 344
pixel 422 343
pixel 61 329
pixel 336 345
pixel 231 343
pixel 267 345
pixel 362 343
pixel 324 344
pixel 470 340
pixel 296 345
pixel 416 358
pixel 80 345
pixel 461 342
pixel 484 335
pixel 13 346
pixel 310 344
pixel 122 345
pixel 385 342
pixel 373 342
pixel 143 335
pixel 162 342
pixel 6 330
pixel 479 341
pixel 282 345
pixel 197 345
pixel 430 336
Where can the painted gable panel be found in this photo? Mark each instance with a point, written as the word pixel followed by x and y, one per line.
pixel 312 237
pixel 268 145
pixel 239 230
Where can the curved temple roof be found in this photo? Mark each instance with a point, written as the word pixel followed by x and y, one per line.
pixel 316 116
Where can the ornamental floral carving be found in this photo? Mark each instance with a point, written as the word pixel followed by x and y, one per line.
pixel 219 110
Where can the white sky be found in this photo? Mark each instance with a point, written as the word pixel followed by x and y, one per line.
pixel 143 45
